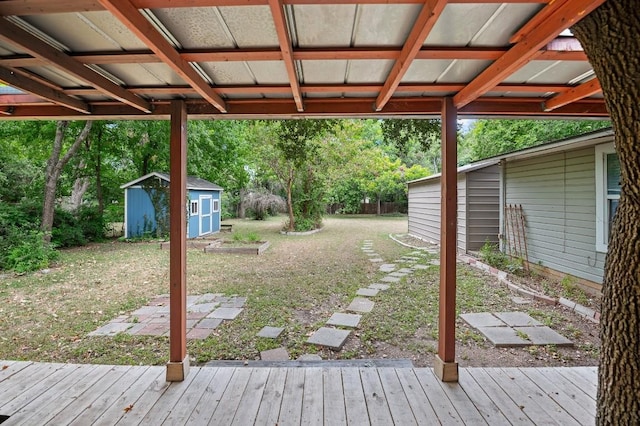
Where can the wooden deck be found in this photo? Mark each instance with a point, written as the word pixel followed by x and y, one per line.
pixel 60 394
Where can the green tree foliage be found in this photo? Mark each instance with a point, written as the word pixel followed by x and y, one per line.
pixel 402 132
pixel 488 138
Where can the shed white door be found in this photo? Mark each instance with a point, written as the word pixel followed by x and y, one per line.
pixel 206 218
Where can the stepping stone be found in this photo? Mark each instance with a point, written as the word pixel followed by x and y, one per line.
pixel 517 319
pixel 234 302
pixel 111 329
pixel 278 354
pixel 309 357
pixel 270 332
pixel 225 313
pixel 344 320
pixel 435 262
pixel 145 310
pixel 502 337
pixel 390 279
pixel 203 307
pixel 199 333
pixel 378 286
pixel 209 323
pixel 369 292
pixel 388 267
pixel 332 338
pixel 367 250
pixel 420 266
pixel 372 254
pixel 520 300
pixel 209 297
pixel 397 274
pixel 361 304
pixel 483 319
pixel 375 260
pixel 415 259
pixel 405 271
pixel 544 336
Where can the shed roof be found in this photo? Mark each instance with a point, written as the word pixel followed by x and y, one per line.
pixel 194 183
pixel 461 170
pixel 91 59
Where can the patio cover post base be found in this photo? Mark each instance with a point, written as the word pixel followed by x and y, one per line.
pixel 446 371
pixel 178 371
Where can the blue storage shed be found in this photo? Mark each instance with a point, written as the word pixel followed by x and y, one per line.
pixel 142 194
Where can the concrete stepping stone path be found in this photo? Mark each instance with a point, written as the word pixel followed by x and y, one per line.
pixel 387 267
pixel 368 292
pixel 361 304
pixel 270 332
pixel 344 320
pixel 332 338
pixel 379 286
pixel 390 279
pixel 277 354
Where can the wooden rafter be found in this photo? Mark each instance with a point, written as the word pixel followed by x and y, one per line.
pixel 13 34
pixel 424 24
pixel 582 91
pixel 25 84
pixel 277 11
pixel 36 7
pixel 526 49
pixel 131 17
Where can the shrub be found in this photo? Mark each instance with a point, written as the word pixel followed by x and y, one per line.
pixel 491 255
pixel 31 253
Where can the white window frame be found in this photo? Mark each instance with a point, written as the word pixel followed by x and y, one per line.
pixel 194 208
pixel 602 205
pixel 215 208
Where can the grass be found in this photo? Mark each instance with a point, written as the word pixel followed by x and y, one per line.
pixel 296 284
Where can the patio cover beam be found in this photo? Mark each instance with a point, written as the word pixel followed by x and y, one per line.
pixel 300 54
pixel 131 17
pixel 178 366
pixel 424 24
pixel 445 366
pixel 36 7
pixel 277 12
pixel 19 81
pixel 527 48
pixel 14 35
pixel 582 91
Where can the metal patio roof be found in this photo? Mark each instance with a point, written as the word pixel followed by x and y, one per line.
pixel 90 59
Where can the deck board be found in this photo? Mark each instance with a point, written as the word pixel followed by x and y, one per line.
pixel 62 394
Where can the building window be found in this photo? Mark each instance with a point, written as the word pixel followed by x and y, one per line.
pixel 216 206
pixel 194 208
pixel 608 182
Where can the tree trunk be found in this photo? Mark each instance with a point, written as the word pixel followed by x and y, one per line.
pixel 610 37
pixel 241 207
pixel 80 187
pixel 292 219
pixel 55 164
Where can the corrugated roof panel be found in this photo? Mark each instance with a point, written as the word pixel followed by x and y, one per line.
pixel 258 19
pixel 144 74
pixel 8 49
pixel 87 31
pixel 503 94
pixel 324 95
pixel 425 70
pixel 228 72
pixel 196 27
pixel 549 72
pixel 57 76
pixel 311 24
pixel 508 19
pixel 269 72
pixel 324 72
pixel 384 25
pixel 461 71
pixel 368 71
pixel 449 32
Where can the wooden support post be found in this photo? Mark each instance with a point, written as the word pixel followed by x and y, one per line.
pixel 445 366
pixel 178 366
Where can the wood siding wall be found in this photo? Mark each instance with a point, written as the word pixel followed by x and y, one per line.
pixel 557 194
pixel 478 208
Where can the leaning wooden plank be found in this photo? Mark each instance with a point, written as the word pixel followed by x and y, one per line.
pixel 487 408
pixel 269 409
pixel 189 399
pixel 52 400
pixel 333 397
pixel 502 399
pixel 158 400
pixel 291 408
pixel 461 401
pixel 9 368
pixel 312 397
pixel 538 406
pixel 377 404
pixel 397 400
pixel 354 401
pixel 226 410
pixel 22 380
pixel 90 403
pixel 39 387
pixel 211 395
pixel 420 404
pixel 583 377
pixel 444 409
pixel 564 393
pixel 250 401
